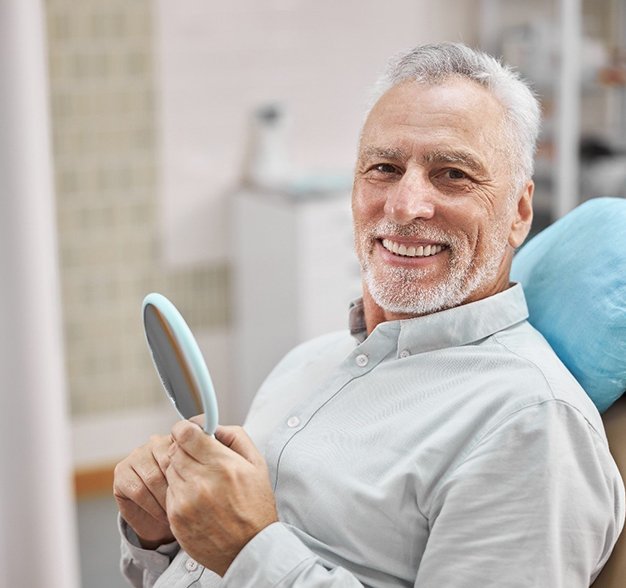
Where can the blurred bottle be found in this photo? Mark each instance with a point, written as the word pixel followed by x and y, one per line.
pixel 267 164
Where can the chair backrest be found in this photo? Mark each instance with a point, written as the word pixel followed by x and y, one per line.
pixel 613 574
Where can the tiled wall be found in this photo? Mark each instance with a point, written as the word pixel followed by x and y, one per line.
pixel 104 133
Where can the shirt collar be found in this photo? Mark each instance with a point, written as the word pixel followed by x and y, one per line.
pixel 449 328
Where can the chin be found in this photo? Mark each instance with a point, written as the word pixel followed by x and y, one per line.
pixel 397 298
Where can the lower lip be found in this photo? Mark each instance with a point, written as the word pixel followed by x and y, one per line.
pixel 405 260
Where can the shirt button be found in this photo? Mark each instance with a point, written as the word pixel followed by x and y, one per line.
pixel 293 421
pixel 404 353
pixel 191 565
pixel 361 360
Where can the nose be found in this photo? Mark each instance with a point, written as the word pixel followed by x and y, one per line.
pixel 410 199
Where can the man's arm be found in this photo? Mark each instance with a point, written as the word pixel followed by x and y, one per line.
pixel 537 503
pixel 143 567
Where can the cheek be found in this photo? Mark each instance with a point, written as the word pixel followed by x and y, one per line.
pixel 464 226
pixel 364 211
pixel 491 241
pixel 361 206
pixel 368 201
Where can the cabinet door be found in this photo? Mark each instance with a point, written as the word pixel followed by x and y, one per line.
pixel 328 272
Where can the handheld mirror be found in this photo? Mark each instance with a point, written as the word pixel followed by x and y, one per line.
pixel 178 361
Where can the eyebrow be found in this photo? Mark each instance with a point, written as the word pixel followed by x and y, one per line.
pixel 392 153
pixel 449 156
pixel 455 157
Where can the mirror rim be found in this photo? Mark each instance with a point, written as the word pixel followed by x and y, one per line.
pixel 191 354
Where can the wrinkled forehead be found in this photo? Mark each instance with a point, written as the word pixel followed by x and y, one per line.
pixel 455 108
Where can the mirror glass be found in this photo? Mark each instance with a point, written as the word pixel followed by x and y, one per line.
pixel 178 361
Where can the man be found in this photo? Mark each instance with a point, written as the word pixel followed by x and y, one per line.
pixel 443 444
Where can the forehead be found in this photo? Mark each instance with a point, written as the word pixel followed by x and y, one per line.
pixel 455 114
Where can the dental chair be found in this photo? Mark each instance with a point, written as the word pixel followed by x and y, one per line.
pixel 613 574
pixel 574 278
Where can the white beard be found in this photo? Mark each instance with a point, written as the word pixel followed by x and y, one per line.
pixel 408 291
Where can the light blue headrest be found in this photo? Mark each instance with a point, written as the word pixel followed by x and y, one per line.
pixel 574 279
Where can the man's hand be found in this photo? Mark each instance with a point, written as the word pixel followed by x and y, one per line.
pixel 219 494
pixel 140 488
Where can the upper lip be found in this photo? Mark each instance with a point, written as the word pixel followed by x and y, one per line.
pixel 410 241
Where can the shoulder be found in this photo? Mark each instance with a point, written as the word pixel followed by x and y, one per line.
pixel 540 376
pixel 534 414
pixel 514 383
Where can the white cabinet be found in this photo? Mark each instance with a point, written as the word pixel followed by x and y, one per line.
pixel 294 275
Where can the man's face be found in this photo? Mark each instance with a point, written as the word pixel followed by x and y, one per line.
pixel 435 210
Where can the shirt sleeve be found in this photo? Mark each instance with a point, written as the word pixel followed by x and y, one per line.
pixel 538 502
pixel 142 567
pixel 276 558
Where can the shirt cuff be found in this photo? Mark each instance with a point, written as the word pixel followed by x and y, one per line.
pixel 268 559
pixel 145 557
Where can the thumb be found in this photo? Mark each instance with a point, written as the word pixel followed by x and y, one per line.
pixel 238 440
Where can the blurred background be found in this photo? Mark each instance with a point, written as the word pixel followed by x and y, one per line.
pixel 204 150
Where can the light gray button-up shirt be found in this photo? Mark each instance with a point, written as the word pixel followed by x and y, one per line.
pixel 450 450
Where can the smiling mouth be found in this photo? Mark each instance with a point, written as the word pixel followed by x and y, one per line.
pixel 412 250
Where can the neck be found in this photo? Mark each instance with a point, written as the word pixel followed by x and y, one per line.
pixel 374 314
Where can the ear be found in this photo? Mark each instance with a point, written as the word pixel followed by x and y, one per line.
pixel 523 216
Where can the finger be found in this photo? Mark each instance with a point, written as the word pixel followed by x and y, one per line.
pixel 238 440
pixel 198 420
pixel 175 472
pixel 148 465
pixel 131 489
pixel 161 452
pixel 126 504
pixel 188 467
pixel 179 462
pixel 194 441
pixel 153 480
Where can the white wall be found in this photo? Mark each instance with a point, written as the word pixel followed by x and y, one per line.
pixel 217 61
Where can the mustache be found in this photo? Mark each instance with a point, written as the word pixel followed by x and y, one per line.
pixel 414 230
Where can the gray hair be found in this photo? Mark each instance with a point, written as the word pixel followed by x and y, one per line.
pixel 435 63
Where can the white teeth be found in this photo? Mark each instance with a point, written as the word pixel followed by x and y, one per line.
pixel 419 251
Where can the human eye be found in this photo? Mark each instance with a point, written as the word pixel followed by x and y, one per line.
pixel 455 174
pixel 383 171
pixel 453 179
